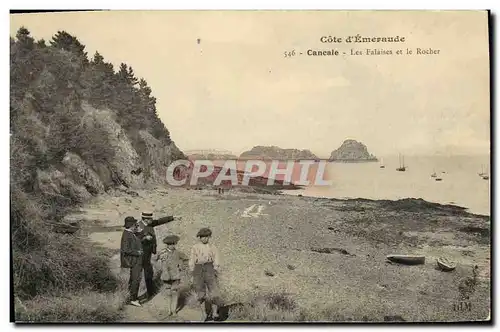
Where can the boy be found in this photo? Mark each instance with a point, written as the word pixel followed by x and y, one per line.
pixel 204 264
pixel 131 258
pixel 172 266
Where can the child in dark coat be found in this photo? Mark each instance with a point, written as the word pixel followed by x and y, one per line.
pixel 172 263
pixel 131 258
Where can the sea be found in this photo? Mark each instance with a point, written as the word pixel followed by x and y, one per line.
pixel 460 183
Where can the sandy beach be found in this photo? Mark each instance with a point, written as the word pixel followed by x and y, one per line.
pixel 328 255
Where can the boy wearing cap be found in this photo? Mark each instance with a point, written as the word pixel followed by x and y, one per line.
pixel 131 258
pixel 204 264
pixel 147 235
pixel 172 266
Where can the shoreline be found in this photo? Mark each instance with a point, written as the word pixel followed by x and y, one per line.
pixel 430 203
pixel 260 182
pixel 288 191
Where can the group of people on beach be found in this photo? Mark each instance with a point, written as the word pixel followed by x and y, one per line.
pixel 139 248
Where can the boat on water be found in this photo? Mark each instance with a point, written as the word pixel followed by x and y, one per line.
pixel 406 259
pixel 485 174
pixel 434 175
pixel 445 264
pixel 438 179
pixel 402 167
pixel 482 173
pixel 382 163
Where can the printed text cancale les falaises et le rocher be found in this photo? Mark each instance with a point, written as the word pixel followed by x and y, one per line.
pixel 368 51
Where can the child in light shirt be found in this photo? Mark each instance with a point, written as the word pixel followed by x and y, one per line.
pixel 204 264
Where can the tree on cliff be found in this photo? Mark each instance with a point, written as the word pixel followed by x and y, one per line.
pixel 67 42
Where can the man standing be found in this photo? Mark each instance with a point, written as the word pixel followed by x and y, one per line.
pixel 147 235
pixel 131 258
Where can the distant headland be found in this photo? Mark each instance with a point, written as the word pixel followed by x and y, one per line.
pixel 351 151
pixel 210 154
pixel 276 153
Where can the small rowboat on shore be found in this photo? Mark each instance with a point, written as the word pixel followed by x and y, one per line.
pixel 406 259
pixel 445 264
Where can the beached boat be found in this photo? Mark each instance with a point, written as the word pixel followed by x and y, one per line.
pixel 402 167
pixel 406 259
pixel 445 264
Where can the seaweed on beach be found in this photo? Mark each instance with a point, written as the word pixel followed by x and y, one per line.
pixel 413 205
pixel 331 251
pixel 483 234
pixel 420 205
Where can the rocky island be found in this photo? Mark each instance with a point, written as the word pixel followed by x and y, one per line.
pixel 352 151
pixel 276 153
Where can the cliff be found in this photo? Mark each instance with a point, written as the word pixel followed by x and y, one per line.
pixel 276 153
pixel 352 151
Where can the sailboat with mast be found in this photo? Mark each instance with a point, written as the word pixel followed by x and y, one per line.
pixel 482 171
pixel 436 177
pixel 402 167
pixel 382 163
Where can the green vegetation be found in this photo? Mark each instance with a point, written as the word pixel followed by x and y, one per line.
pixel 49 82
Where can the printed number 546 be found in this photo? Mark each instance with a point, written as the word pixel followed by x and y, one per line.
pixel 289 54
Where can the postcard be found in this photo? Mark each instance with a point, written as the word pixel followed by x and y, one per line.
pixel 250 166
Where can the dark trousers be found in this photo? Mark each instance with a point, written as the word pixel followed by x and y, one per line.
pixel 134 281
pixel 148 273
pixel 206 286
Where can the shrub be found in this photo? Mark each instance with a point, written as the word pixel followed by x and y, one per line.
pixel 84 306
pixel 268 307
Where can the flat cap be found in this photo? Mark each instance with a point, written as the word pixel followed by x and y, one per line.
pixel 204 232
pixel 129 221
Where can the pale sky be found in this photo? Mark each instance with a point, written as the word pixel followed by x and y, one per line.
pixel 235 89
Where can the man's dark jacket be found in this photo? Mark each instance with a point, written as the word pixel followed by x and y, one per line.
pixel 149 246
pixel 131 250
